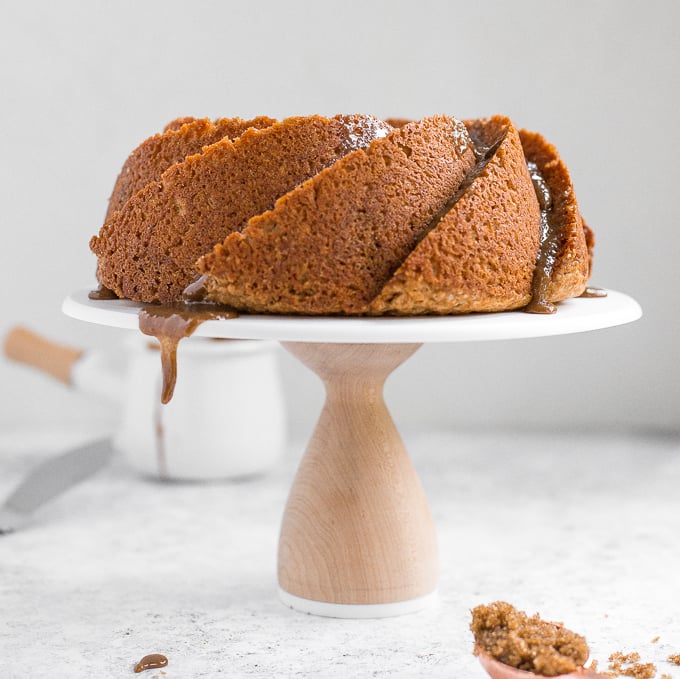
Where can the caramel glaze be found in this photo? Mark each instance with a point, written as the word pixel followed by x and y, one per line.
pixel 549 248
pixel 102 293
pixel 172 323
pixel 151 662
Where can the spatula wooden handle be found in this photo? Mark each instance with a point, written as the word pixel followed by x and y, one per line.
pixel 24 346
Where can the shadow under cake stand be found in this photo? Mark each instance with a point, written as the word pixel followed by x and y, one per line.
pixel 357 538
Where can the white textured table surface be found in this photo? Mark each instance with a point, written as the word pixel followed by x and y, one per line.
pixel 584 529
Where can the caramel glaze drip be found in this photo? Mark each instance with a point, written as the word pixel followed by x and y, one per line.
pixel 102 293
pixel 549 247
pixel 151 662
pixel 172 323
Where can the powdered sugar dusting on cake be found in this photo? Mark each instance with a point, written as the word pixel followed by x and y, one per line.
pixel 362 130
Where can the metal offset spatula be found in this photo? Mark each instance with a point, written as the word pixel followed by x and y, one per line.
pixel 50 479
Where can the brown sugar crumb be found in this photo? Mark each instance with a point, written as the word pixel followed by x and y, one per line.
pixel 666 676
pixel 593 666
pixel 635 668
pixel 674 658
pixel 655 639
pixel 527 643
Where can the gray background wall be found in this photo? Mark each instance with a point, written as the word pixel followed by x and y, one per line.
pixel 82 83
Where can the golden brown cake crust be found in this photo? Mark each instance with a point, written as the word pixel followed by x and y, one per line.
pixel 182 137
pixel 572 265
pixel 481 255
pixel 147 250
pixel 329 246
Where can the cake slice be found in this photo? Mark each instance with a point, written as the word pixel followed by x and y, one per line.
pixel 481 254
pixel 563 264
pixel 181 137
pixel 147 250
pixel 329 246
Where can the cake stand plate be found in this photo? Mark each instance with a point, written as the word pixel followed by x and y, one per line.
pixel 357 539
pixel 575 315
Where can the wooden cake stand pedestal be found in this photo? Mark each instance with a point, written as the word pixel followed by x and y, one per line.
pixel 357 530
pixel 357 538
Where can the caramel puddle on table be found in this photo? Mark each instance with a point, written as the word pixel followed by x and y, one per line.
pixel 171 323
pixel 151 662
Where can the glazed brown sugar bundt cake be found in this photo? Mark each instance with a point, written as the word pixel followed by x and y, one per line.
pixel 181 138
pixel 329 245
pixel 346 215
pixel 481 254
pixel 147 250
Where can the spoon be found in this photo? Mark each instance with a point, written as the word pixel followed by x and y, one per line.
pixel 498 670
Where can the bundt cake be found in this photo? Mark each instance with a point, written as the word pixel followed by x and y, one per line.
pixel 148 247
pixel 347 215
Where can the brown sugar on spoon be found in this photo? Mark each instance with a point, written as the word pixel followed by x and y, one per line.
pixel 527 642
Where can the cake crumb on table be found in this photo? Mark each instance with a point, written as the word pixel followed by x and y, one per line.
pixel 675 658
pixel 655 639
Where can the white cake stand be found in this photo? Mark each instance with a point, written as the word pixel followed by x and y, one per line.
pixel 357 538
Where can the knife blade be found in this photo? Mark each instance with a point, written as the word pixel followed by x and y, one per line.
pixel 52 478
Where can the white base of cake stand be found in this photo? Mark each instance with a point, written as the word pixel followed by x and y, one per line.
pixel 357 611
pixel 357 538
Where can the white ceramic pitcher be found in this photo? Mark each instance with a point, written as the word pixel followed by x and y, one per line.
pixel 226 418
